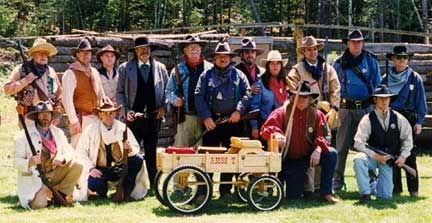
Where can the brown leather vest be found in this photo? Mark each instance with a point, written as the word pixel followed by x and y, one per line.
pixel 310 123
pixel 85 98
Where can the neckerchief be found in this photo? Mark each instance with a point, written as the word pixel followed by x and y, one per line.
pixel 195 64
pixel 48 141
pixel 278 89
pixel 349 61
pixel 110 136
pixel 221 75
pixel 316 71
pixel 38 70
pixel 396 81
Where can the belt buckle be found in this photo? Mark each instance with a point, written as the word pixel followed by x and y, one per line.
pixel 146 115
pixel 358 104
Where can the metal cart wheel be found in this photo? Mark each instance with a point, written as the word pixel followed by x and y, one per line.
pixel 187 189
pixel 241 189
pixel 158 186
pixel 265 193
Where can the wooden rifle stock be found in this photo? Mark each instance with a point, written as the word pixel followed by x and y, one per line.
pixel 407 168
pixel 180 110
pixel 58 198
pixel 119 195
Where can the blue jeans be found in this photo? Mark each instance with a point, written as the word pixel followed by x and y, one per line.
pixel 362 164
pixel 293 174
pixel 100 185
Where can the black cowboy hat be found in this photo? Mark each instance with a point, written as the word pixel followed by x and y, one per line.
pixel 248 43
pixel 223 48
pixel 399 51
pixel 382 91
pixel 142 41
pixel 190 39
pixel 43 106
pixel 356 35
pixel 84 45
pixel 107 48
pixel 305 90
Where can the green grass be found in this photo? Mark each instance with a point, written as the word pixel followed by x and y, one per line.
pixel 400 209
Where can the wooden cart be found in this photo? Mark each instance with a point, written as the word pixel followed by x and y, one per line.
pixel 184 185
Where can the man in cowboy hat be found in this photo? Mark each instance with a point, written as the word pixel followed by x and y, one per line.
pixel 387 130
pixel 54 153
pixel 141 92
pixel 410 101
pixel 82 89
pixel 41 83
pixel 108 57
pixel 309 145
pixel 101 149
pixel 222 91
pixel 248 53
pixel 359 74
pixel 189 70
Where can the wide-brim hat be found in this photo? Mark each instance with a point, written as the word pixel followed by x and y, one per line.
pixel 382 91
pixel 274 55
pixel 143 41
pixel 42 45
pixel 305 90
pixel 355 35
pixel 248 43
pixel 223 48
pixel 309 41
pixel 106 105
pixel 399 51
pixel 84 45
pixel 190 39
pixel 106 49
pixel 43 106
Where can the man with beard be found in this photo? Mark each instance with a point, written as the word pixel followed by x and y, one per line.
pixel 141 93
pixel 359 74
pixel 82 90
pixel 222 91
pixel 54 153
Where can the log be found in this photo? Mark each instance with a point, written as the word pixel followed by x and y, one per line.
pixel 428 121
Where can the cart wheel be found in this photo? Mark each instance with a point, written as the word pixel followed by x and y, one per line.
pixel 265 193
pixel 182 188
pixel 158 185
pixel 241 189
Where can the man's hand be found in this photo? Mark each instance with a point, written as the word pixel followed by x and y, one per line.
pixel 400 161
pixel 315 157
pixel 95 173
pixel 255 133
pixel 281 140
pixel 57 163
pixel 381 158
pixel 209 124
pixel 130 116
pixel 255 89
pixel 160 113
pixel 29 78
pixel 178 102
pixel 76 128
pixel 417 129
pixel 34 160
pixel 127 147
pixel 235 117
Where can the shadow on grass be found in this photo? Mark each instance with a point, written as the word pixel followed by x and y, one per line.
pixel 12 202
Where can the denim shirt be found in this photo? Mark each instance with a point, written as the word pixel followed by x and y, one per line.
pixel 265 101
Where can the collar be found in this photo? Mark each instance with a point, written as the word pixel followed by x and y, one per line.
pixel 310 64
pixel 141 63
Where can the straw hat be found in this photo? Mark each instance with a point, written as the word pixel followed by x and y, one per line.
pixel 42 45
pixel 274 55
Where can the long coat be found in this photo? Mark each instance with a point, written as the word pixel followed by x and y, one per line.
pixel 28 178
pixel 87 152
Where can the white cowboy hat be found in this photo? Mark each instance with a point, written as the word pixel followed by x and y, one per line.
pixel 274 55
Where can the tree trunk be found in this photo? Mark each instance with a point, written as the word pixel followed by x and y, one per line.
pixel 319 16
pixel 350 13
pixel 425 20
pixel 398 19
pixel 206 13
pixel 337 18
pixel 215 6
pixel 261 31
pixel 381 6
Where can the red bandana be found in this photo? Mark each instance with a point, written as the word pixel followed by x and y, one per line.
pixel 278 89
pixel 50 144
pixel 191 64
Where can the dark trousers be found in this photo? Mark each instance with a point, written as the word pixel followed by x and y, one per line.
pixel 221 135
pixel 412 182
pixel 100 185
pixel 293 174
pixel 146 133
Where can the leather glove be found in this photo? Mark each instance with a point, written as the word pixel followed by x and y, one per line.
pixel 331 118
pixel 323 106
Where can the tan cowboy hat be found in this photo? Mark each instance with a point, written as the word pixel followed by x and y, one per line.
pixel 106 105
pixel 309 41
pixel 274 55
pixel 42 45
pixel 106 49
pixel 43 106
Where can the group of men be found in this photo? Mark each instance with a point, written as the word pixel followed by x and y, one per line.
pixel 141 91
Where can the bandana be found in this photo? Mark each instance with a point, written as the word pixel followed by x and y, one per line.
pixel 396 81
pixel 278 89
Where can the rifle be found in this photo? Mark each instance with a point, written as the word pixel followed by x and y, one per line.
pixel 254 114
pixel 180 110
pixel 324 83
pixel 58 198
pixel 392 160
pixel 119 194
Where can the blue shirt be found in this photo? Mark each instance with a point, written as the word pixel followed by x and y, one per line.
pixel 266 101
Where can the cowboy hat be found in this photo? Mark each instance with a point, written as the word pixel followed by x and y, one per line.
pixel 355 35
pixel 223 48
pixel 43 106
pixel 106 105
pixel 190 39
pixel 382 91
pixel 143 41
pixel 84 45
pixel 399 51
pixel 305 89
pixel 274 55
pixel 309 41
pixel 248 43
pixel 42 45
pixel 106 49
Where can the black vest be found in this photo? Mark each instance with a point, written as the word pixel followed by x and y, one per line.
pixel 194 74
pixel 243 69
pixel 389 141
pixel 145 94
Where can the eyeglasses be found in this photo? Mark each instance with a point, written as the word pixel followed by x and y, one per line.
pixel 401 57
pixel 108 112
